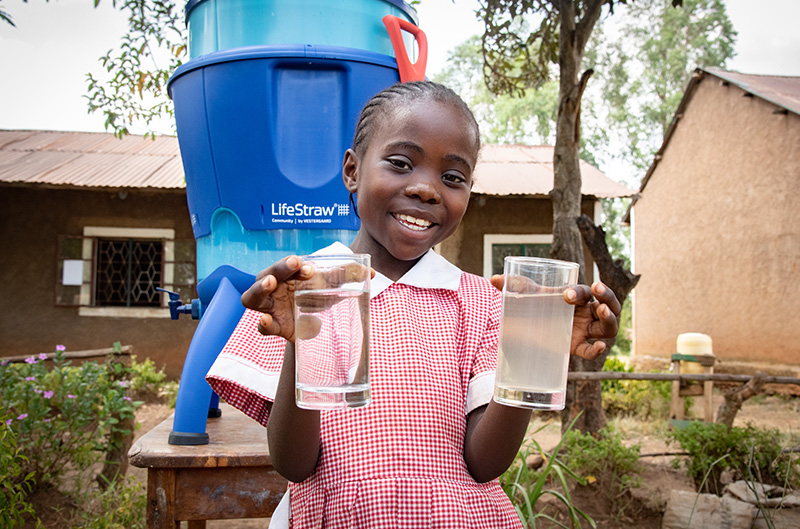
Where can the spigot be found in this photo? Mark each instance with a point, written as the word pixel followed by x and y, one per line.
pixel 176 307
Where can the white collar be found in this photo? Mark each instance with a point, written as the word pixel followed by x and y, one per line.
pixel 431 271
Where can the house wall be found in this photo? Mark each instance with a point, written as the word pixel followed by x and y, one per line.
pixel 502 215
pixel 31 220
pixel 717 231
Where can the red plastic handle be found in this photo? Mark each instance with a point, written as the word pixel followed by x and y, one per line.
pixel 408 71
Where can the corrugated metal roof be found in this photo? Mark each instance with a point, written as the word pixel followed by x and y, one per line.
pixel 528 170
pixel 779 90
pixel 89 159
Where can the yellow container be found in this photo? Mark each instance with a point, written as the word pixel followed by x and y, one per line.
pixel 698 346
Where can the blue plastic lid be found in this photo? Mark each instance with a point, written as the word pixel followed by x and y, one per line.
pixel 400 4
pixel 274 51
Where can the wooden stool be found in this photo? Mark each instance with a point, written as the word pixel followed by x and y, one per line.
pixel 229 478
pixel 700 364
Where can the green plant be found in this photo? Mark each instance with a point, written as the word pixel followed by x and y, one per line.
pixel 525 487
pixel 145 378
pixel 751 453
pixel 65 418
pixel 121 505
pixel 645 400
pixel 605 463
pixel 13 484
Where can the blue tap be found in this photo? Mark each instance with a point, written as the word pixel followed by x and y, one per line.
pixel 176 307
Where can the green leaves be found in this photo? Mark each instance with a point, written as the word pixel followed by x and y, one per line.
pixel 751 453
pixel 133 90
pixel 63 418
pixel 645 69
pixel 515 56
pixel 526 118
pixel 525 487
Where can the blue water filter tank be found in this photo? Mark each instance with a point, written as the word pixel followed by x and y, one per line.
pixel 217 25
pixel 262 133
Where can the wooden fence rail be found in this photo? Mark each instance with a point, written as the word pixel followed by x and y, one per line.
pixel 715 377
pixel 125 350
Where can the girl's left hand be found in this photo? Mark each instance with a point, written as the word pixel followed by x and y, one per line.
pixel 594 320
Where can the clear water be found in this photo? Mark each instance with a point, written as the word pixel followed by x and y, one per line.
pixel 332 348
pixel 535 333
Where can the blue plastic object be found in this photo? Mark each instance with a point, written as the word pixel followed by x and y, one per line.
pixel 176 307
pixel 216 25
pixel 254 250
pixel 262 132
pixel 220 294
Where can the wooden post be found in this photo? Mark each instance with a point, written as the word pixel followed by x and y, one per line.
pixel 708 396
pixel 676 408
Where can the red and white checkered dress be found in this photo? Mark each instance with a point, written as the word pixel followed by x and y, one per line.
pixel 397 462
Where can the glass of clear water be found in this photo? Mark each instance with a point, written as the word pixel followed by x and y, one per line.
pixel 535 333
pixel 332 333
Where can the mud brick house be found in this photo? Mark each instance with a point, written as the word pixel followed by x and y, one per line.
pixel 91 224
pixel 716 222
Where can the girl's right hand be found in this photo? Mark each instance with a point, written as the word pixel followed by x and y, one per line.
pixel 273 295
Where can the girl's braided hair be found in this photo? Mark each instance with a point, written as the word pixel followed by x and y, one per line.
pixel 402 93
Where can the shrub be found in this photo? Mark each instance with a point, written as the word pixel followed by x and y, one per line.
pixel 607 464
pixel 525 487
pixel 120 506
pixel 64 418
pixel 14 485
pixel 145 378
pixel 644 400
pixel 751 453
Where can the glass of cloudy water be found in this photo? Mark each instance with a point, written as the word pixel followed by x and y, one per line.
pixel 535 333
pixel 332 333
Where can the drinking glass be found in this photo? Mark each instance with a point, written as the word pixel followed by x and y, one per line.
pixel 535 333
pixel 332 333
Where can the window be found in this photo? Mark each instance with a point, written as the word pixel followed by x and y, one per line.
pixel 115 271
pixel 497 247
pixel 128 272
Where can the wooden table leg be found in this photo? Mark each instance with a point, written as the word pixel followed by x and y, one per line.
pixel 161 499
pixel 197 524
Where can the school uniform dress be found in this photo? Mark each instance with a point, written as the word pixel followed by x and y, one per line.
pixel 398 462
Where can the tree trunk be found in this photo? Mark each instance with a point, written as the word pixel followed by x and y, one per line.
pixel 734 399
pixel 587 394
pixel 566 193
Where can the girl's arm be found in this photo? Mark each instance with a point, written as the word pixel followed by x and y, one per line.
pixel 292 432
pixel 494 435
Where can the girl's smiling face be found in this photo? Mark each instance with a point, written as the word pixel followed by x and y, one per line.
pixel 412 183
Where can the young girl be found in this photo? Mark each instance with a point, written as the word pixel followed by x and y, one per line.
pixel 427 450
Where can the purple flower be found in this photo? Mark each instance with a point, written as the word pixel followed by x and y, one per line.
pixel 31 360
pixel 37 390
pixel 123 383
pixel 48 394
pixel 127 398
pixel 47 420
pixel 71 396
pixel 30 378
pixel 42 356
pixel 8 422
pixel 61 348
pixel 23 416
pixel 4 363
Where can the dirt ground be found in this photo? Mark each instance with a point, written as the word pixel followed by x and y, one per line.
pixel 658 478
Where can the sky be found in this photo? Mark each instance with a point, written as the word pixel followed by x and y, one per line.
pixel 45 59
